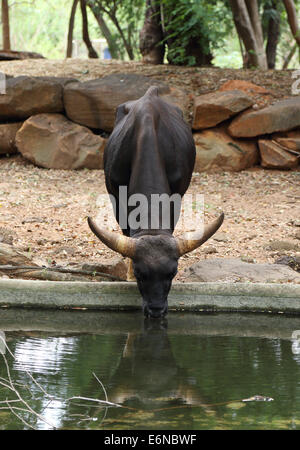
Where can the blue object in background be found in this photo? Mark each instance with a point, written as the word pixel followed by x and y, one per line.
pixel 106 53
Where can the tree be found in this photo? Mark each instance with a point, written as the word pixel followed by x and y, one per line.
pixel 151 45
pixel 187 35
pixel 292 19
pixel 248 25
pixel 188 29
pixel 111 42
pixel 271 19
pixel 85 31
pixel 71 28
pixel 5 25
pixel 125 16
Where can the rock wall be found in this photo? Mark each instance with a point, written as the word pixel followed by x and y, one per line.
pixel 63 123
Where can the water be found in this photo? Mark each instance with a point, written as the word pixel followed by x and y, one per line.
pixel 190 373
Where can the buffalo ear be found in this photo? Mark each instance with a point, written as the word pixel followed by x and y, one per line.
pixel 116 241
pixel 192 240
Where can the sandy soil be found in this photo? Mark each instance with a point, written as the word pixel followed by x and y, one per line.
pixel 46 210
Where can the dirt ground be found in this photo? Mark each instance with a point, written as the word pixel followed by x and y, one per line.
pixel 46 210
pixel 195 80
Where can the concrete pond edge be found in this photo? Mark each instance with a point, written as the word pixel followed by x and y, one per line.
pixel 194 296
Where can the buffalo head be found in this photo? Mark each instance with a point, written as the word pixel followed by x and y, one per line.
pixel 155 259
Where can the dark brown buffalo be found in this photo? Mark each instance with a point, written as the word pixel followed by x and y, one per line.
pixel 150 151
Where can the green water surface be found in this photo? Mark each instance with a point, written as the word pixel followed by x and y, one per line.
pixel 190 372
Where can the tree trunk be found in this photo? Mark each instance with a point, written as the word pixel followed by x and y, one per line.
pixel 292 19
pixel 289 56
pixel 250 33
pixel 273 34
pixel 5 25
pixel 113 48
pixel 151 35
pixel 71 27
pixel 127 45
pixel 253 12
pixel 85 31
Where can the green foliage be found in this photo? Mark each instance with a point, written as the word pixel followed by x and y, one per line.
pixel 41 26
pixel 193 23
pixel 124 19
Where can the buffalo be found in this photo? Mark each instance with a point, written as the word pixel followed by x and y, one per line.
pixel 151 152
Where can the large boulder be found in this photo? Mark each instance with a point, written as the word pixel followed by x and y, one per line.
pixel 54 142
pixel 249 88
pixel 235 270
pixel 94 103
pixel 212 109
pixel 8 133
pixel 116 267
pixel 260 95
pixel 217 151
pixel 281 116
pixel 273 156
pixel 10 55
pixel 26 96
pixel 289 140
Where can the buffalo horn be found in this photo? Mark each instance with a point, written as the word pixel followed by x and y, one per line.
pixel 192 240
pixel 116 241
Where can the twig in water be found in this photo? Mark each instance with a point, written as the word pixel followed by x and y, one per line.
pixel 100 382
pixel 10 385
pixel 19 417
pixel 94 400
pixel 27 372
pixel 106 397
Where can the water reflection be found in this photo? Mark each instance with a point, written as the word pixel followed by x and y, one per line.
pixel 163 378
pixel 148 375
pixel 44 357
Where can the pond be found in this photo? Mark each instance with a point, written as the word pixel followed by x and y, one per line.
pixel 189 372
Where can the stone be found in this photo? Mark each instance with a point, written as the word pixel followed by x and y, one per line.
pixel 289 143
pixel 10 55
pixel 54 142
pixel 281 116
pixel 6 236
pixel 289 140
pixel 273 156
pixel 10 255
pixel 212 109
pixel 278 245
pixel 116 267
pixel 210 250
pixel 26 96
pixel 63 81
pixel 245 86
pixel 235 270
pixel 65 250
pixel 291 261
pixel 8 133
pixel 94 103
pixel 217 151
pixel 221 237
pixel 248 259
